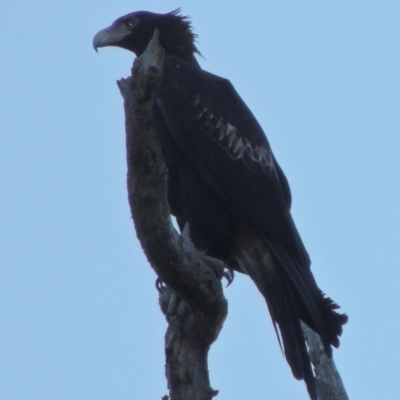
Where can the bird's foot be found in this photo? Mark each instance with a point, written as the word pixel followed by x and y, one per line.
pixel 220 269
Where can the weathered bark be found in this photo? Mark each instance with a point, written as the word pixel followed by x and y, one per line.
pixel 191 293
pixel 328 381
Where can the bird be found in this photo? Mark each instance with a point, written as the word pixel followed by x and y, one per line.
pixel 225 183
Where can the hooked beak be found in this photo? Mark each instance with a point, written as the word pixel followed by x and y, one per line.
pixel 110 36
pixel 101 39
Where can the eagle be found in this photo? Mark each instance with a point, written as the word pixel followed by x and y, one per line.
pixel 225 183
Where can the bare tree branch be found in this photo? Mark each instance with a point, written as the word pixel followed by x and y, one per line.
pixel 327 377
pixel 191 293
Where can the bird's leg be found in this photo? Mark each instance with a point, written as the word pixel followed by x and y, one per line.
pixel 220 269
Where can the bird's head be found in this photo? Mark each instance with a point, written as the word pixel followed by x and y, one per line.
pixel 134 31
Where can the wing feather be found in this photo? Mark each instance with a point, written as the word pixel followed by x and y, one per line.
pixel 223 139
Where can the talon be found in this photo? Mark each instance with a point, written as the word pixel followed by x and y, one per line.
pixel 160 285
pixel 229 275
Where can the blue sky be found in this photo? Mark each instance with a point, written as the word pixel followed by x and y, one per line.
pixel 78 307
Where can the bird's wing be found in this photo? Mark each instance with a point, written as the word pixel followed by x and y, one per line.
pixel 224 141
pixel 221 137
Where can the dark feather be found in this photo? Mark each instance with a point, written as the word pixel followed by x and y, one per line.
pixel 225 182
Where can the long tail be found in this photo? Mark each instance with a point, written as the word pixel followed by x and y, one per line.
pixel 292 296
pixel 313 307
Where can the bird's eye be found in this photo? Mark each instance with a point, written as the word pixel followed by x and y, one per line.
pixel 132 23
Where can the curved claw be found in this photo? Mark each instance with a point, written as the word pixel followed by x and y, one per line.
pixel 229 275
pixel 160 285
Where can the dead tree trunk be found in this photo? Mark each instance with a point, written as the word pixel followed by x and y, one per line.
pixel 191 293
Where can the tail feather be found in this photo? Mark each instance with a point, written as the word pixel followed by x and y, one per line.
pixel 314 308
pixel 284 313
pixel 292 296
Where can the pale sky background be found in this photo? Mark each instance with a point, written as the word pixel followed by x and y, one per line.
pixel 79 315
